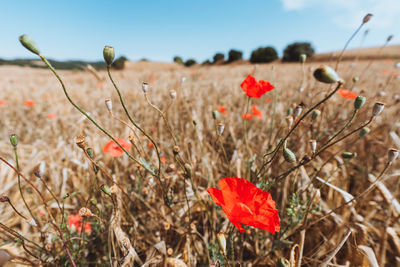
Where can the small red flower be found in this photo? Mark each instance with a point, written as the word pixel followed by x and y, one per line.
pixel 255 89
pixel 114 150
pixel 51 115
pixel 29 103
pixel 163 159
pixel 347 94
pixel 150 144
pixel 244 203
pixel 2 102
pixel 75 223
pixel 222 109
pixel 247 116
pixel 256 112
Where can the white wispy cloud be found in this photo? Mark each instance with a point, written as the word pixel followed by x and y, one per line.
pixel 349 13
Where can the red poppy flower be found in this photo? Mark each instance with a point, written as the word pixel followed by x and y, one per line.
pixel 221 109
pixel 29 103
pixel 75 223
pixel 114 150
pixel 256 112
pixel 247 116
pixel 150 144
pixel 347 94
pixel 2 102
pixel 244 203
pixel 163 159
pixel 51 115
pixel 255 89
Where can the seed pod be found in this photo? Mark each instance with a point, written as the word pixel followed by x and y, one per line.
pixel 222 241
pixel 288 154
pixel 392 155
pixel 176 150
pixel 326 74
pixel 282 262
pixel 364 131
pixel 355 79
pixel 172 94
pixel 85 212
pixel 145 87
pixel 289 121
pixel 289 111
pixel 194 122
pixel 220 128
pixel 303 58
pixel 315 114
pixel 377 109
pixel 188 168
pixel 349 155
pixel 313 145
pixel 359 102
pixel 215 114
pixel 29 44
pixel 106 190
pixel 14 140
pixel 297 111
pixel 80 141
pixel 390 37
pixel 108 104
pixel 108 54
pixel 367 18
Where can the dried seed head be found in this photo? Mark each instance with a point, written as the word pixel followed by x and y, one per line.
pixel 14 140
pixel 367 18
pixel 222 241
pixel 145 87
pixel 355 79
pixel 172 94
pixel 32 222
pixel 215 114
pixel 108 104
pixel 39 170
pixel 364 131
pixel 114 189
pixel 29 44
pixel 390 37
pixel 220 128
pixel 170 251
pixel 392 155
pixel 315 114
pixel 4 199
pixel 167 226
pixel 80 141
pixel 176 150
pixel 359 102
pixel 349 155
pixel 313 145
pixel 377 108
pixel 297 111
pixel 303 58
pixel 289 121
pixel 108 54
pixel 326 74
pixel 188 168
pixel 85 212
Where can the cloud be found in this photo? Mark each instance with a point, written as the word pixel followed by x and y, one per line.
pixel 349 13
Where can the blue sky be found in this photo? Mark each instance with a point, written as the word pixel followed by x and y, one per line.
pixel 158 30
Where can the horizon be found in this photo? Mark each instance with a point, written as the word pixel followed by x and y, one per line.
pixel 158 31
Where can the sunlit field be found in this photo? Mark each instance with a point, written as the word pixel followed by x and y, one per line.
pixel 88 203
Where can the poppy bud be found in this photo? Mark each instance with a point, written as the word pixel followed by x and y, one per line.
pixel 145 87
pixel 220 128
pixel 313 145
pixel 377 108
pixel 349 155
pixel 176 150
pixel 326 74
pixel 392 155
pixel 355 79
pixel 194 122
pixel 297 111
pixel 289 111
pixel 282 262
pixel 106 190
pixel 85 212
pixel 359 102
pixel 315 114
pixel 222 241
pixel 108 54
pixel 289 121
pixel 215 114
pixel 172 94
pixel 303 58
pixel 288 154
pixel 364 131
pixel 367 18
pixel 108 104
pixel 14 140
pixel 80 141
pixel 29 44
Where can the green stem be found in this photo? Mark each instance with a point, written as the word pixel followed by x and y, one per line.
pixel 245 127
pixel 347 43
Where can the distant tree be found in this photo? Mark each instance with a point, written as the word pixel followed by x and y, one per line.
pixel 218 57
pixel 234 55
pixel 190 62
pixel 144 60
pixel 178 60
pixel 206 62
pixel 293 51
pixel 119 63
pixel 263 55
